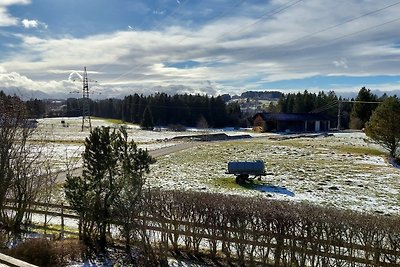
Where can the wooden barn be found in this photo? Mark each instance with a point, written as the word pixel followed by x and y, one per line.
pixel 290 122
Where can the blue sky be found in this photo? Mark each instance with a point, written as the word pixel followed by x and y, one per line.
pixel 208 46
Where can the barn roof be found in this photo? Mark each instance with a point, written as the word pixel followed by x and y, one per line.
pixel 292 116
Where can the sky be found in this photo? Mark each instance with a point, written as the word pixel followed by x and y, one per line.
pixel 190 46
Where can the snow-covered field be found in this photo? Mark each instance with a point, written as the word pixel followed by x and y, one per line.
pixel 345 170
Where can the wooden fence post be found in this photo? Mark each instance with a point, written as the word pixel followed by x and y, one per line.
pixel 62 221
pixel 45 222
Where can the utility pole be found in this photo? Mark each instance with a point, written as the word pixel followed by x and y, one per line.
pixel 339 114
pixel 85 102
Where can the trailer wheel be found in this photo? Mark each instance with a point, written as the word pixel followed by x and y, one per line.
pixel 241 178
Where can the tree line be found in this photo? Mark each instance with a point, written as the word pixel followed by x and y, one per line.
pixel 354 113
pixel 161 109
pixel 165 110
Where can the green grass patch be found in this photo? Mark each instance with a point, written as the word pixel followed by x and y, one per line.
pixel 297 143
pixel 361 150
pixel 113 121
pixel 53 229
pixel 57 141
pixel 227 183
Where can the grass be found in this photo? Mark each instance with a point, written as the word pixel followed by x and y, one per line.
pixel 113 121
pixel 227 183
pixel 67 142
pixel 55 230
pixel 362 151
pixel 310 168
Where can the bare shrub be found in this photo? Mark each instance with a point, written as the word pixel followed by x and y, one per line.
pixel 43 252
pixel 254 231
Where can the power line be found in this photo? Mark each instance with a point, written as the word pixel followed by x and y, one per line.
pixel 175 11
pixel 266 14
pixel 85 99
pixel 336 26
pixel 365 29
pixel 342 23
pixel 350 101
pixel 325 107
pixel 180 41
pixel 269 13
pixel 290 4
pixel 221 14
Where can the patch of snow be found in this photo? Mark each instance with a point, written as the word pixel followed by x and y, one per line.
pixel 313 170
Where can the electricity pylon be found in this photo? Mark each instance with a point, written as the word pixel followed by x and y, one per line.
pixel 85 101
pixel 86 122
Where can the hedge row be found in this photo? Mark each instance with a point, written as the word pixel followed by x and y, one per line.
pixel 256 231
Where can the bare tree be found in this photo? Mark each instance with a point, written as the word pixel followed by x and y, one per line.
pixel 22 172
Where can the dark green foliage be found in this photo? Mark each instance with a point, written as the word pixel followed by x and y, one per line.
pixel 36 108
pixel 361 112
pixel 308 102
pixel 112 167
pixel 234 113
pixel 147 122
pixel 165 109
pixel 384 125
pixel 262 95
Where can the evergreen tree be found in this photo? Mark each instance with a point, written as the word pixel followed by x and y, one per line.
pixel 147 122
pixel 36 108
pixel 112 165
pixel 361 112
pixel 384 126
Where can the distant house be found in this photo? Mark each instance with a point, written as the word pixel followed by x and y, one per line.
pixel 290 122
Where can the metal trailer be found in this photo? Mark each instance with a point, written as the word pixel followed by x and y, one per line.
pixel 245 169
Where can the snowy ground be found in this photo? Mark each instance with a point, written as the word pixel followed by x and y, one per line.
pixel 344 170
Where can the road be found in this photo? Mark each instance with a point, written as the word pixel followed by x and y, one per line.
pixel 172 149
pixel 61 176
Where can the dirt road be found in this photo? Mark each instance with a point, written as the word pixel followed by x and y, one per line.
pixel 172 149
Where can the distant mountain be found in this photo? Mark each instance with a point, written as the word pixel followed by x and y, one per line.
pixel 25 94
pixel 379 93
pixel 389 93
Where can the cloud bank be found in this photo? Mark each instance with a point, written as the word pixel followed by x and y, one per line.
pixel 257 47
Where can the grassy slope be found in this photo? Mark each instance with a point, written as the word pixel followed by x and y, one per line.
pixel 341 172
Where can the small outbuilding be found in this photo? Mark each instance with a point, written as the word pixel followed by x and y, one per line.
pixel 290 122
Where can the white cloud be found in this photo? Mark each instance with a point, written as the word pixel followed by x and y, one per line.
pixel 7 19
pixel 159 12
pixel 14 2
pixel 231 51
pixel 341 63
pixel 30 23
pixel 33 24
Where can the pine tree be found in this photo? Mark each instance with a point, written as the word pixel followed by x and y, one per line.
pixel 361 112
pixel 147 122
pixel 384 126
pixel 112 166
